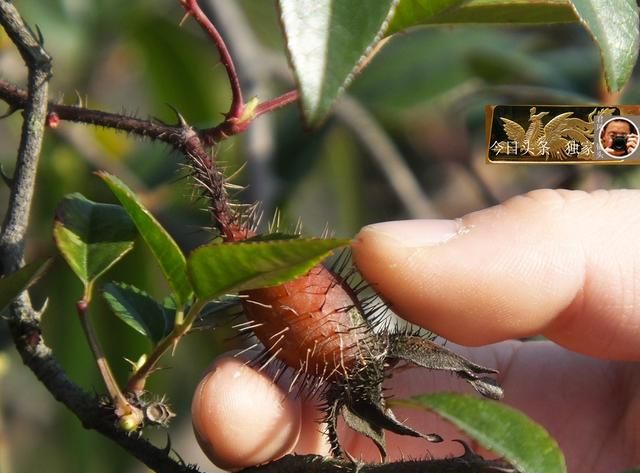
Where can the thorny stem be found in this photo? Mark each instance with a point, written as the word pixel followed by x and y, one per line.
pixel 192 8
pixel 171 134
pixel 138 380
pixel 18 99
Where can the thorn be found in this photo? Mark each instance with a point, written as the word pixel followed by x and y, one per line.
pixel 10 111
pixel 43 307
pixel 180 459
pixel 468 452
pixel 236 172
pixel 181 121
pixel 40 36
pixel 231 186
pixel 186 16
pixel 7 180
pixel 79 103
pixel 167 448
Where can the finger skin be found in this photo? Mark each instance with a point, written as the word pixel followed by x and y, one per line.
pixel 559 263
pixel 552 262
pixel 591 407
pixel 241 418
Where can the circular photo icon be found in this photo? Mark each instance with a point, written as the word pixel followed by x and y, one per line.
pixel 618 137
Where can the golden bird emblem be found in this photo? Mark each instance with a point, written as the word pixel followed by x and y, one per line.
pixel 563 137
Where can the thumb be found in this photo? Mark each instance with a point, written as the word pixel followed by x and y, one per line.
pixel 559 263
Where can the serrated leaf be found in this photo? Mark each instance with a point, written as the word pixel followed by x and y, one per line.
pixel 615 29
pixel 12 285
pixel 164 248
pixel 411 13
pixel 498 427
pixel 274 236
pixel 218 269
pixel 139 310
pixel 92 237
pixel 327 40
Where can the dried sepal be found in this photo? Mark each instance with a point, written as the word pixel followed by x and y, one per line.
pixel 425 353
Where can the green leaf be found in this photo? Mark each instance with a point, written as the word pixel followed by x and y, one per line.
pixel 223 268
pixel 13 284
pixel 412 13
pixel 497 427
pixel 327 40
pixel 419 12
pixel 164 248
pixel 92 237
pixel 633 470
pixel 274 236
pixel 614 27
pixel 139 310
pixel 612 24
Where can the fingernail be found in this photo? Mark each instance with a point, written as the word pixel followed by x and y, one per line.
pixel 412 233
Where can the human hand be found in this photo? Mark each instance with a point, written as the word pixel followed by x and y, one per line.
pixel 559 263
pixel 632 142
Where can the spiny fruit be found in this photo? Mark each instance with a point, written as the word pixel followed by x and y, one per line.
pixel 332 339
pixel 314 324
pixel 338 343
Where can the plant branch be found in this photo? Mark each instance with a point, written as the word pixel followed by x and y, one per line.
pixel 24 321
pixel 14 226
pixel 192 8
pixel 138 379
pixel 276 103
pixel 123 407
pixel 37 356
pixel 18 99
pixel 259 144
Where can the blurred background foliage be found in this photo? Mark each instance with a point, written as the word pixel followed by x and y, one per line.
pixel 408 142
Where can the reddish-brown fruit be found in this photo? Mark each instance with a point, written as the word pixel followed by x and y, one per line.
pixel 313 323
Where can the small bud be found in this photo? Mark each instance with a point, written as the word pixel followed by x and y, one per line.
pixel 53 120
pixel 141 361
pixel 249 111
pixel 130 422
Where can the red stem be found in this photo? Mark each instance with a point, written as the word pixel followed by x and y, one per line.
pixel 228 128
pixel 278 102
pixel 193 9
